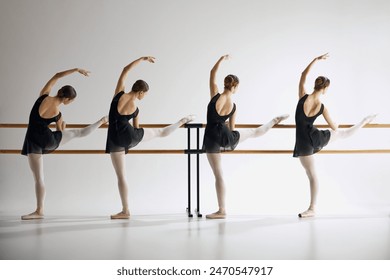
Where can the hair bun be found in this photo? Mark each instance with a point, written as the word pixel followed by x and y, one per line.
pixel 321 82
pixel 140 85
pixel 67 92
pixel 231 81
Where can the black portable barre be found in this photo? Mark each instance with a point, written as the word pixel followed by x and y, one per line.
pixel 190 152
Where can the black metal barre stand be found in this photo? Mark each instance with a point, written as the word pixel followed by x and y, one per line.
pixel 196 151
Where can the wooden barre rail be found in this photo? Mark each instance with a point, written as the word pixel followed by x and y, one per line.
pixel 93 152
pixel 22 125
pixel 167 151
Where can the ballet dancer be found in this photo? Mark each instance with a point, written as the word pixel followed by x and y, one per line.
pixel 220 137
pixel 122 136
pixel 40 139
pixel 309 139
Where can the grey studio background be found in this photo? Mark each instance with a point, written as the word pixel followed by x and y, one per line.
pixel 270 42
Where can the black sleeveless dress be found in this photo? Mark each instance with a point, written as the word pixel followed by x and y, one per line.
pixel 40 139
pixel 217 136
pixel 121 135
pixel 308 139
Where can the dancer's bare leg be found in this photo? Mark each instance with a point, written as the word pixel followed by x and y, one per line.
pixel 36 165
pixel 150 133
pixel 344 133
pixel 261 130
pixel 119 162
pixel 70 134
pixel 308 163
pixel 215 163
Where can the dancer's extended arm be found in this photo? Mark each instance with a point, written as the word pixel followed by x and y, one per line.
pixel 47 88
pixel 302 81
pixel 120 86
pixel 213 74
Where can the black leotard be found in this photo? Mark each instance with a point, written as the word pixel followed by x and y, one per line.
pixel 217 136
pixel 121 134
pixel 40 139
pixel 308 139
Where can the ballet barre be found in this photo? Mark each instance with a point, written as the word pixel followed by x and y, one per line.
pixel 197 151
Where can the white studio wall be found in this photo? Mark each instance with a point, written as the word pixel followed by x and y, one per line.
pixel 270 43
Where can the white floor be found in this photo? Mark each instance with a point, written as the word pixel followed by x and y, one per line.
pixel 178 237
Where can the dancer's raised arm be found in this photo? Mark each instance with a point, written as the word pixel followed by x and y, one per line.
pixel 120 86
pixel 302 81
pixel 47 88
pixel 213 73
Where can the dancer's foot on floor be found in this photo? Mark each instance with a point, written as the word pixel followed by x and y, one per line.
pixel 33 216
pixel 307 214
pixel 120 215
pixel 216 215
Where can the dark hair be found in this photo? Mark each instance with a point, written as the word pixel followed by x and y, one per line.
pixel 321 83
pixel 67 92
pixel 140 85
pixel 231 81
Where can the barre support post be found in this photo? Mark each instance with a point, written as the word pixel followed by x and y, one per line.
pixel 189 172
pixel 197 176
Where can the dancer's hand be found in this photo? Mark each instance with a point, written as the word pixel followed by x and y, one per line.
pixel 225 57
pixel 324 56
pixel 83 72
pixel 149 58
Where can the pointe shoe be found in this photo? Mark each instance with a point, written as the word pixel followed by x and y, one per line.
pixel 32 216
pixel 188 119
pixel 369 118
pixel 216 215
pixel 104 120
pixel 120 215
pixel 280 118
pixel 307 214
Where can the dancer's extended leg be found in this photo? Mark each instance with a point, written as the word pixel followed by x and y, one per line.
pixel 215 163
pixel 344 133
pixel 119 163
pixel 261 130
pixel 70 134
pixel 308 163
pixel 36 165
pixel 150 133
